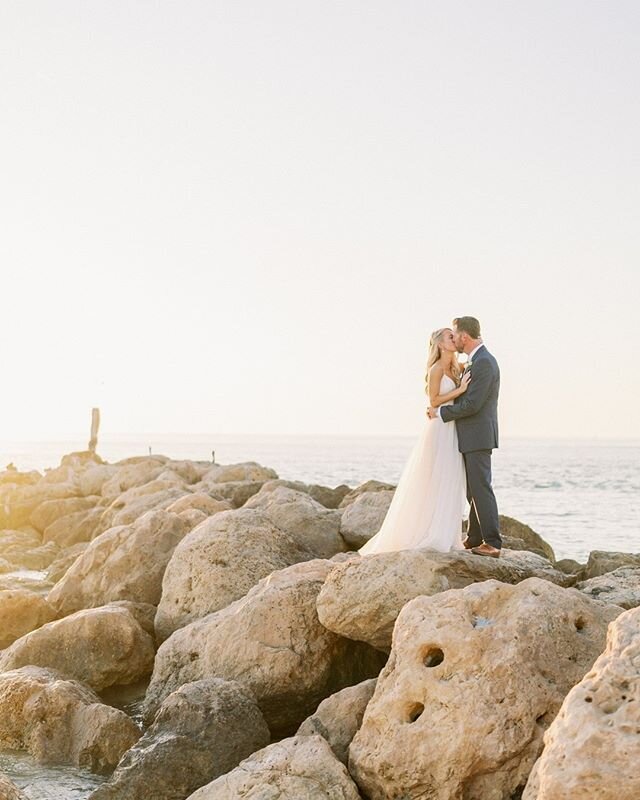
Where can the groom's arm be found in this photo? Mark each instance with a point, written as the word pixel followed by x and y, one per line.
pixel 475 396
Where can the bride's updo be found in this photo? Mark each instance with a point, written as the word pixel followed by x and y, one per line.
pixel 435 355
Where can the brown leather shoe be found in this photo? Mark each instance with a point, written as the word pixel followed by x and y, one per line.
pixel 467 544
pixel 485 549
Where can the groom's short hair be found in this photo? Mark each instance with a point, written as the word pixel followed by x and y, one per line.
pixel 468 325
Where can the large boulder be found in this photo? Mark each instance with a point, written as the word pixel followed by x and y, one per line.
pixel 592 748
pixel 21 611
pixel 218 562
pixel 99 646
pixel 60 565
pixel 60 721
pixel 368 486
pixel 620 587
pixel 48 512
pixel 299 768
pixel 363 596
pixel 132 505
pixel 80 526
pixel 123 563
pixel 518 536
pixel 201 731
pixel 200 501
pixel 131 474
pixel 338 718
pixel 600 562
pixel 313 526
pixel 17 503
pixel 328 497
pixel 272 642
pixel 475 677
pixel 232 473
pixel 363 518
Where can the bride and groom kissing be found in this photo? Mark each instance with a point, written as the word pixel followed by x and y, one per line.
pixel 450 464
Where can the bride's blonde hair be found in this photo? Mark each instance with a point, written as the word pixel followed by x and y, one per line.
pixel 435 355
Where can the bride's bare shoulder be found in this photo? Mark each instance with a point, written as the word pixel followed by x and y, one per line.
pixel 436 369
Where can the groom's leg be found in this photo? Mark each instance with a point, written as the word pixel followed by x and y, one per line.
pixel 474 533
pixel 478 465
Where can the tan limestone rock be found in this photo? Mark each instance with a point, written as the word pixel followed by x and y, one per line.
pixel 363 518
pixel 21 612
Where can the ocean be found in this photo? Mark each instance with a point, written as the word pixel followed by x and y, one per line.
pixel 579 495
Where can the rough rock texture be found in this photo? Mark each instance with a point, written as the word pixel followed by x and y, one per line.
pixel 592 748
pixel 97 646
pixel 80 526
pixel 368 486
pixel 60 565
pixel 362 597
pixel 601 562
pixel 18 502
pixel 329 498
pixel 130 506
pixel 620 587
pixel 132 474
pixel 123 563
pixel 202 730
pixel 571 567
pixel 232 473
pixel 201 502
pixel 218 562
pixel 21 612
pixel 338 717
pixel 474 678
pixel 299 768
pixel 235 492
pixel 272 642
pixel 518 536
pixel 38 558
pixel 363 518
pixel 8 790
pixel 313 526
pixel 48 512
pixel 60 721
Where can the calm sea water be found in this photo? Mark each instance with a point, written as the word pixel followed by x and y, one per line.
pixel 579 495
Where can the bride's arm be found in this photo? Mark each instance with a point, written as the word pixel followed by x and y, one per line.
pixel 435 378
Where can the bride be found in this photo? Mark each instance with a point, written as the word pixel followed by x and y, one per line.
pixel 430 500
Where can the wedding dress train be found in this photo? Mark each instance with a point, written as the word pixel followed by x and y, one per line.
pixel 430 500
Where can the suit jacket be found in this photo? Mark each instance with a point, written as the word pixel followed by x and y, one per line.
pixel 476 411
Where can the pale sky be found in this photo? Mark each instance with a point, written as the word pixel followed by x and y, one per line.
pixel 247 216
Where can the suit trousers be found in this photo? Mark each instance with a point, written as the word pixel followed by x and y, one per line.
pixel 484 523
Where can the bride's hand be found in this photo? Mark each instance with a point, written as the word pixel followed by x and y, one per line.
pixel 464 383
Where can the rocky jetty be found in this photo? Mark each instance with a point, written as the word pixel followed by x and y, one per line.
pixel 269 659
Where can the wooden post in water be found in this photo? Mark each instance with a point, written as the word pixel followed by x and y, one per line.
pixel 95 424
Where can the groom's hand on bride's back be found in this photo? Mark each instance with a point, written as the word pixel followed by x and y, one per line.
pixel 432 413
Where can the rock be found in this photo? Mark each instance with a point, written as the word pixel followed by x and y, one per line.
pixel 99 646
pixel 272 642
pixel 17 503
pixel 570 567
pixel 202 502
pixel 61 564
pixel 21 612
pixel 518 536
pixel 232 473
pixel 299 768
pixel 14 543
pixel 218 562
pixel 80 526
pixel 236 492
pixel 130 506
pixel 338 717
pixel 131 474
pixel 363 518
pixel 123 563
pixel 8 790
pixel 329 498
pixel 362 597
pixel 59 721
pixel 592 747
pixel 201 731
pixel 600 562
pixel 37 558
pixel 92 478
pixel 368 486
pixel 620 587
pixel 45 514
pixel 475 677
pixel 313 526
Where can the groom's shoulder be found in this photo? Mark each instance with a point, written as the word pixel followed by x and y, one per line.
pixel 484 353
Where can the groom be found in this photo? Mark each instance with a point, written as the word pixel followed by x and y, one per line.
pixel 476 415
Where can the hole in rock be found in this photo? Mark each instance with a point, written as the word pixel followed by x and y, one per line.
pixel 588 699
pixel 579 623
pixel 433 657
pixel 415 712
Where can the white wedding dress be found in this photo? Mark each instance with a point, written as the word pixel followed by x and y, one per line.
pixel 430 501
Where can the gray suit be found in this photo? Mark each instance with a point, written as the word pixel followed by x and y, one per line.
pixel 476 416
